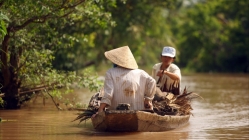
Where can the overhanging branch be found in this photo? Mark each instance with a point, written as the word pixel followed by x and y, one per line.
pixel 43 18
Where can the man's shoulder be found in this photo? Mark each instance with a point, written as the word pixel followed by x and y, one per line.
pixel 174 66
pixel 157 65
pixel 141 71
pixel 138 70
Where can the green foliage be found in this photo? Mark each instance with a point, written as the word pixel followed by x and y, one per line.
pixel 38 29
pixel 3 19
pixel 141 26
pixel 128 24
pixel 80 34
pixel 213 36
pixel 40 72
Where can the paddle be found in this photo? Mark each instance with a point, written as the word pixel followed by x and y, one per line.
pixel 160 78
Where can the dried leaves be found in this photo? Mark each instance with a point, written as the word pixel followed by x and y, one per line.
pixel 166 103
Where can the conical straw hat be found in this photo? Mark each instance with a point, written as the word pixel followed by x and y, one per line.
pixel 123 57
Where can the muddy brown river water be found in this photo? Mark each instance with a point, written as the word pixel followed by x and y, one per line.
pixel 222 114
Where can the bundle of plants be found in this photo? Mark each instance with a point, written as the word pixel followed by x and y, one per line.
pixel 92 108
pixel 167 103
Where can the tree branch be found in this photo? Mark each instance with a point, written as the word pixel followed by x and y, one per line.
pixel 43 18
pixel 89 63
pixel 39 88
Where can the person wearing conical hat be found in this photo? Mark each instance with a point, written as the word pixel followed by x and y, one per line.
pixel 166 73
pixel 125 83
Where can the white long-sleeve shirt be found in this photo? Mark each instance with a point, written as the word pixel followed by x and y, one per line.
pixel 127 86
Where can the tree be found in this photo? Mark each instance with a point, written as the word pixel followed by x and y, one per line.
pixel 30 39
pixel 142 25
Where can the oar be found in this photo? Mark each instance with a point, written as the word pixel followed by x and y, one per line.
pixel 160 78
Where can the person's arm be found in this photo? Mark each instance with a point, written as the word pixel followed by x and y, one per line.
pixel 148 104
pixel 150 90
pixel 171 75
pixel 107 95
pixel 101 109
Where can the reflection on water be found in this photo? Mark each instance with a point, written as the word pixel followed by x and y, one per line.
pixel 222 114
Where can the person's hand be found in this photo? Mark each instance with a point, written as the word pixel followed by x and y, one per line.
pixel 160 73
pixel 101 109
pixel 94 115
pixel 148 104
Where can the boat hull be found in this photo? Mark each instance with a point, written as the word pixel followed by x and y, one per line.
pixel 130 120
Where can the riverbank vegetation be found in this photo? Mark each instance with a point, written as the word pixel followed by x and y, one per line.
pixel 48 45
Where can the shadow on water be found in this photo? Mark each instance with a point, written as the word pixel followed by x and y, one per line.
pixel 223 114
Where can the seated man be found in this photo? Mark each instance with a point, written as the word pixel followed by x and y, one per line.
pixel 167 74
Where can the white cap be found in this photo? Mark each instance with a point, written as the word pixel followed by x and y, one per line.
pixel 169 51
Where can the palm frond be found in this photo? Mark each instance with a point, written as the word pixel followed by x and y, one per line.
pixel 85 118
pixel 84 114
pixel 92 108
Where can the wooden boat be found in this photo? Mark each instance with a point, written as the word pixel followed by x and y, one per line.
pixel 169 112
pixel 130 120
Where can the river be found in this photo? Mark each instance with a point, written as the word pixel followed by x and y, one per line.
pixel 223 113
